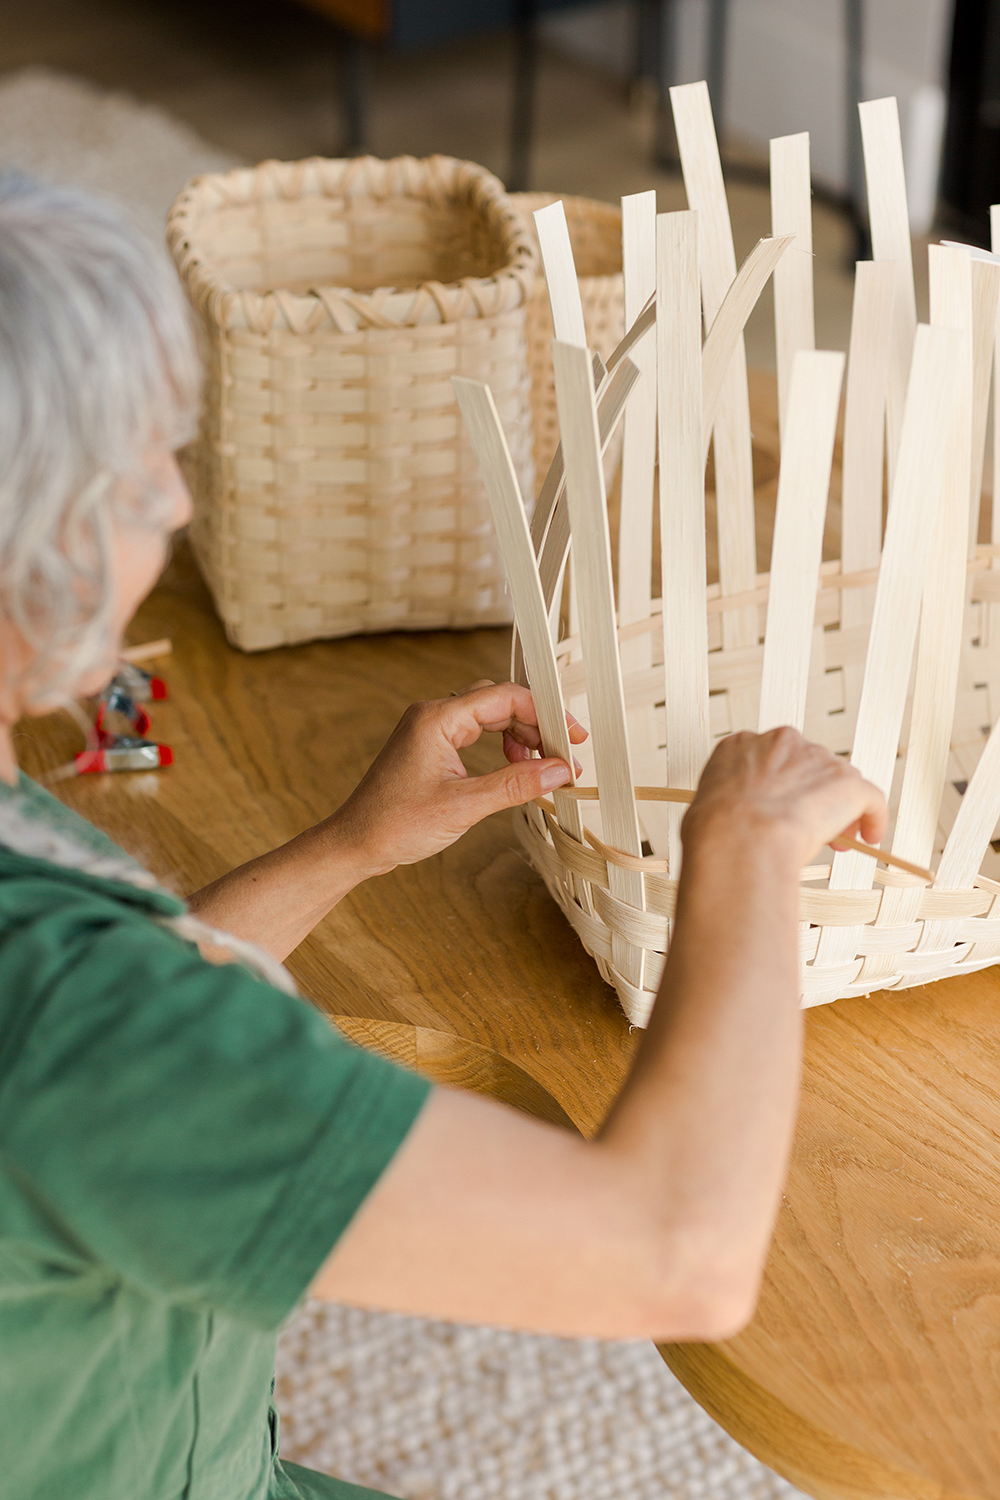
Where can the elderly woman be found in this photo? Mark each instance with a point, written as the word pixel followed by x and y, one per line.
pixel 187 1148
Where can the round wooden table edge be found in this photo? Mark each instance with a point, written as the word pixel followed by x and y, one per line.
pixel 815 1461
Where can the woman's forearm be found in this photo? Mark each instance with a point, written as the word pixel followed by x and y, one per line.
pixel 277 900
pixel 415 799
pixel 707 1116
pixel 659 1226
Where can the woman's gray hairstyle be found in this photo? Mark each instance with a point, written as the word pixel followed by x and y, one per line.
pixel 97 360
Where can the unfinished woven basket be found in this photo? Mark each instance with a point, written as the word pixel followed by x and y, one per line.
pixel 891 654
pixel 595 233
pixel 335 492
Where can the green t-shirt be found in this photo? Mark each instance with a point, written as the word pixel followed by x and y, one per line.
pixel 180 1147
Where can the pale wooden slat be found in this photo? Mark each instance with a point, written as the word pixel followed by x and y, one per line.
pixel 942 621
pixel 943 609
pixel 682 506
pixel 486 434
pixel 702 169
pixel 890 231
pixel 550 510
pixel 635 530
pixel 566 306
pixel 985 300
pixel 931 396
pixel 612 388
pixel 791 213
pixel 565 301
pixel 797 549
pixel 639 446
pixel 864 433
pixel 991 615
pixel 554 546
pixel 588 513
pixel 975 821
pixel 864 413
pixel 738 303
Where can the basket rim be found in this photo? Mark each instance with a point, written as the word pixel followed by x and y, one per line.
pixel 435 178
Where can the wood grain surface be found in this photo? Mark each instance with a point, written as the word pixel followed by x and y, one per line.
pixel 872 1368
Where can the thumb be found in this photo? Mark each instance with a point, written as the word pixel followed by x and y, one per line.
pixel 515 784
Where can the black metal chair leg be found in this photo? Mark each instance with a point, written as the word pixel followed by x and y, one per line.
pixel 661 29
pixel 523 96
pixel 355 93
pixel 715 62
pixel 854 92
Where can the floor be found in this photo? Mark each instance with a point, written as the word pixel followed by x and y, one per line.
pixel 260 78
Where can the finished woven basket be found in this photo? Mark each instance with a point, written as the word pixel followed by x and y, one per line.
pixel 890 654
pixel 335 492
pixel 595 233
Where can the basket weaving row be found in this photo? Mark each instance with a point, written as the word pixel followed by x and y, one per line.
pixel 334 489
pixel 890 654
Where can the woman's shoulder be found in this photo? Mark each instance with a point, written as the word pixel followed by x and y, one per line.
pixel 50 855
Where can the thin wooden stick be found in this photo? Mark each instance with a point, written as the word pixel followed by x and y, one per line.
pixel 683 797
pixel 682 504
pixel 791 213
pixel 706 193
pixel 890 230
pixel 803 487
pixel 507 506
pixel 147 652
pixel 588 513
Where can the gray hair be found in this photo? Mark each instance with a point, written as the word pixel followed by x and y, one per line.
pixel 97 361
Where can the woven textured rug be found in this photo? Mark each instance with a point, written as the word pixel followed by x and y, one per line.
pixel 422 1409
pixel 432 1411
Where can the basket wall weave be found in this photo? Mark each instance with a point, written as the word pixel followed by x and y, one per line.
pixel 893 920
pixel 335 491
pixel 595 233
pixel 891 656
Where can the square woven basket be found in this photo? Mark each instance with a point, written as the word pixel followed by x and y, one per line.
pixel 335 491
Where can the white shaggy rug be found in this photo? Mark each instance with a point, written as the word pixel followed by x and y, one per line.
pixel 424 1410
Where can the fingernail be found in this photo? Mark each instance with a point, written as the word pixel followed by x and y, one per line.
pixel 579 768
pixel 554 776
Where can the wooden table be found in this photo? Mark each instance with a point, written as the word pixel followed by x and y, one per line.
pixel 872 1368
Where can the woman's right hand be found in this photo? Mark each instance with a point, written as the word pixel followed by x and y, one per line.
pixel 781 785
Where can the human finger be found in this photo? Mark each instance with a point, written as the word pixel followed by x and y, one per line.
pixel 508 707
pixel 511 786
pixel 515 752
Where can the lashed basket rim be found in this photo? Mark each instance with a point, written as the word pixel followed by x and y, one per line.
pixel 436 178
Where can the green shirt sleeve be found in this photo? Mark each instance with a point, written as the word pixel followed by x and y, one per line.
pixel 197 1131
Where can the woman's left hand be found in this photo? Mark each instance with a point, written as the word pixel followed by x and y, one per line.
pixel 417 797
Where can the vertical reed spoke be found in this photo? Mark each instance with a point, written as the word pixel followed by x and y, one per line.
pixel 791 213
pixel 803 488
